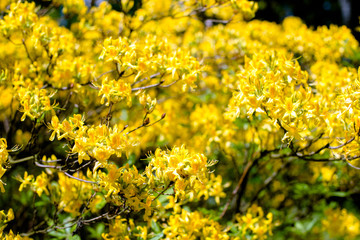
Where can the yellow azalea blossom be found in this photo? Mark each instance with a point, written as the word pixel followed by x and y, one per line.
pixel 254 223
pixel 26 181
pixel 12 236
pixel 190 225
pixel 2 171
pixel 341 223
pixel 55 127
pixel 40 184
pixel 144 232
pixel 263 98
pixel 114 91
pixel 3 152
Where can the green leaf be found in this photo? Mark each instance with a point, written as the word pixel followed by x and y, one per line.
pixel 58 234
pixel 97 231
pixel 337 194
pixel 155 227
pixel 132 159
pixel 75 237
pixel 157 236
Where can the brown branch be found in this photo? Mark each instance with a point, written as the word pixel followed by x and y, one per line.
pixel 323 159
pixel 146 78
pixel 82 166
pixel 146 87
pixel 267 182
pixel 163 191
pixel 311 141
pixel 27 51
pixel 162 117
pixel 313 153
pixel 101 75
pixel 74 222
pixel 146 123
pixel 170 84
pixel 79 222
pixel 109 116
pixel 241 185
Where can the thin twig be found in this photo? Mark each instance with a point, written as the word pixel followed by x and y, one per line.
pixel 146 78
pixel 27 51
pixel 267 182
pixel 163 191
pixel 146 87
pixel 110 71
pixel 235 191
pixel 25 159
pixel 240 187
pixel 79 179
pixel 342 145
pixel 47 166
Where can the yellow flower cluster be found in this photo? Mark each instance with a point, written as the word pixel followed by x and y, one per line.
pixel 325 43
pixel 35 103
pixel 166 11
pixel 3 159
pixel 74 193
pixel 99 142
pixel 231 10
pixel 27 180
pixel 184 172
pixel 21 19
pixel 213 188
pixel 258 84
pixel 127 185
pixel 122 228
pixel 119 229
pixel 114 91
pixel 38 185
pixel 148 103
pixel 192 225
pixel 72 7
pixel 4 219
pixel 3 152
pixel 255 223
pixel 274 86
pixel 41 184
pixel 12 236
pixel 155 58
pixel 339 87
pixel 264 79
pixel 100 22
pixel 341 223
pixel 327 173
pixel 179 167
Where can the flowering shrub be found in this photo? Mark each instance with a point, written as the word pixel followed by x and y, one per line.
pixel 175 120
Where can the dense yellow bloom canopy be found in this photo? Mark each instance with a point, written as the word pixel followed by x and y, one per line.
pixel 175 120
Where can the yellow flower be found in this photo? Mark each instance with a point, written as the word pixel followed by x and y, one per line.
pixel 26 181
pixel 4 154
pixel 2 171
pixel 102 154
pixel 41 183
pixel 55 127
pixel 143 232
